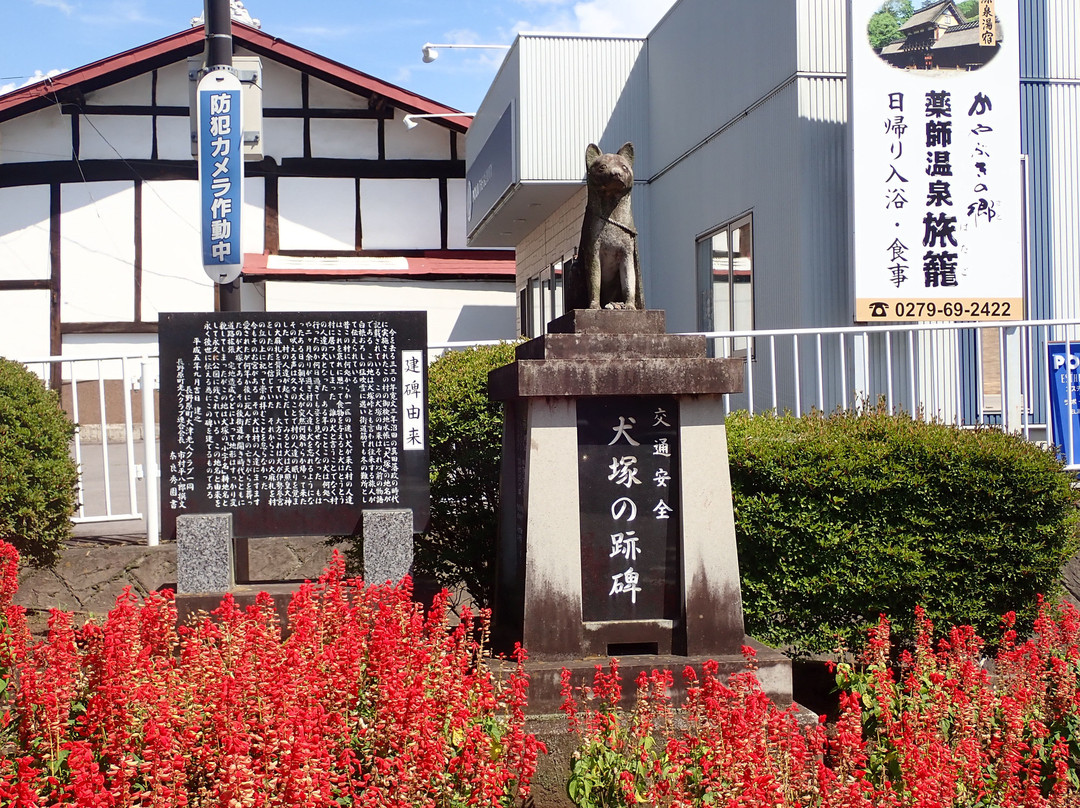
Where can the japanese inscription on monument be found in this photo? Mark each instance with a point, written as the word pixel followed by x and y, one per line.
pixel 629 488
pixel 294 423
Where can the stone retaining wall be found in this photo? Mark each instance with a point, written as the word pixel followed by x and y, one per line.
pixel 90 576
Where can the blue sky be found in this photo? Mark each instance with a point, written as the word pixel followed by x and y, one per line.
pixel 380 37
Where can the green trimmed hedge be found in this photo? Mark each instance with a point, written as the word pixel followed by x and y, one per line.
pixel 37 474
pixel 844 517
pixel 465 444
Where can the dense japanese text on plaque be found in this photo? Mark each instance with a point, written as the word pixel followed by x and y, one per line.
pixel 294 423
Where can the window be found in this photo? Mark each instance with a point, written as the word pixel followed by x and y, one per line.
pixel 542 299
pixel 726 281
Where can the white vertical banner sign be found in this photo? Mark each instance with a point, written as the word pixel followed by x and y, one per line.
pixel 936 180
pixel 412 400
pixel 221 174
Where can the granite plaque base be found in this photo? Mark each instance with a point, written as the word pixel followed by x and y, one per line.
pixel 388 545
pixel 204 553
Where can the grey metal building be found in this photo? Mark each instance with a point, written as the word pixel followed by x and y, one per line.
pixel 738 113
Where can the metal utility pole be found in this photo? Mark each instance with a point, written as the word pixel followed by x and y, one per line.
pixel 217 17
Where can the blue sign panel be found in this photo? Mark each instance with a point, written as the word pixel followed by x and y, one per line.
pixel 221 174
pixel 1063 364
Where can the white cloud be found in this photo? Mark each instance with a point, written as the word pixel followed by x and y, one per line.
pixel 613 17
pixel 122 12
pixel 463 36
pixel 620 17
pixel 34 79
pixel 67 8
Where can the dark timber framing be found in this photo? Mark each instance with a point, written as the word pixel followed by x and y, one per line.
pixel 153 118
pixel 13 175
pixel 68 94
pixel 271 233
pixel 56 340
pixel 444 213
pixel 305 103
pixel 117 327
pixel 138 257
pixel 156 110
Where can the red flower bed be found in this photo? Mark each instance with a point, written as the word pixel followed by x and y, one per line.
pixel 940 731
pixel 368 702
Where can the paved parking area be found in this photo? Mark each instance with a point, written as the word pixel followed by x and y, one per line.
pixel 111 463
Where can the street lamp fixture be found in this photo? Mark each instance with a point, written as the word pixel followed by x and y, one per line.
pixel 410 119
pixel 431 52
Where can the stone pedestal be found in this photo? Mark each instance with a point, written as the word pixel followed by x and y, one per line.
pixel 671 592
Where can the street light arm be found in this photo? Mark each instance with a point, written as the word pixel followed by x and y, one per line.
pixel 431 53
pixel 410 119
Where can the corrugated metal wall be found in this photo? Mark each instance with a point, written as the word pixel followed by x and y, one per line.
pixel 1050 116
pixel 822 33
pixel 576 91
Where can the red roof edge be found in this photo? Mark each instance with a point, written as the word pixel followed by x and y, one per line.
pixel 45 92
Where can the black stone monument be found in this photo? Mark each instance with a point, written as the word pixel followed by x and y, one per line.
pixel 289 424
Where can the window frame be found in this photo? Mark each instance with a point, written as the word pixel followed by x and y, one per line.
pixel 542 298
pixel 706 258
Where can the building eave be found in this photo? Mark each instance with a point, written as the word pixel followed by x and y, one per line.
pixel 445 265
pixel 181 45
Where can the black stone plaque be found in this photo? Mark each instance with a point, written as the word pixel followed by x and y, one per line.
pixel 629 487
pixel 294 423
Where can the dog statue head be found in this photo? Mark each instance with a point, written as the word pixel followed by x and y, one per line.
pixel 610 174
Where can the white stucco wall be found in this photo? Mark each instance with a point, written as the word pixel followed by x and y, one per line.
pixel 41 135
pixel 455 219
pixel 172 275
pixel 24 233
pixel 317 213
pixel 136 90
pixel 345 139
pixel 172 85
pixel 400 214
pixel 459 311
pixel 97 251
pixel 24 326
pixel 428 141
pixel 112 137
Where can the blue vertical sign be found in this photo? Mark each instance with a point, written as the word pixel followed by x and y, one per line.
pixel 221 174
pixel 1063 364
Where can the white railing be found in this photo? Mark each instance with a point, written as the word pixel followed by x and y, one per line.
pixel 108 486
pixel 960 373
pixel 964 374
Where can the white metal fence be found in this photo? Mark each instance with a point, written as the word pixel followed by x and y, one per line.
pixel 959 373
pixel 963 374
pixel 116 482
